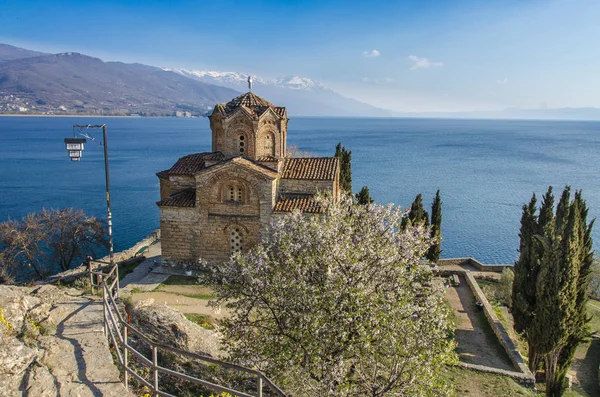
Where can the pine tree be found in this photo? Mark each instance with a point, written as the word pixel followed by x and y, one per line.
pixel 417 214
pixel 345 158
pixel 436 228
pixel 364 197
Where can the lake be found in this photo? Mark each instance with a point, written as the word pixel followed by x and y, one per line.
pixel 486 169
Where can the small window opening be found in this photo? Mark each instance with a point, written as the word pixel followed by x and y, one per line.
pixel 242 144
pixel 235 241
pixel 235 193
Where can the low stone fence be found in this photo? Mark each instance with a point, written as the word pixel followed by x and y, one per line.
pixel 524 376
pixel 130 252
pixel 482 267
pixel 82 270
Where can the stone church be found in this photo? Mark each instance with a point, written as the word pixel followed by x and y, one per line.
pixel 213 204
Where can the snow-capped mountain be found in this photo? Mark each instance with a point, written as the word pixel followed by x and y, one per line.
pixel 301 95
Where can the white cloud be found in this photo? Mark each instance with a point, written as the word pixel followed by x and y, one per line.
pixel 502 81
pixel 422 63
pixel 371 54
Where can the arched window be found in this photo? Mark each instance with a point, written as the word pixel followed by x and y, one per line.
pixel 269 144
pixel 234 193
pixel 235 240
pixel 242 144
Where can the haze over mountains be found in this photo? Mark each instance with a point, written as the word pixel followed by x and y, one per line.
pixel 33 82
pixel 72 83
pixel 300 95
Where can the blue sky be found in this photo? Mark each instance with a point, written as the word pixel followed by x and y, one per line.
pixel 402 55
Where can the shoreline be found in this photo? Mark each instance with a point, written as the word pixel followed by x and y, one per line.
pixel 97 116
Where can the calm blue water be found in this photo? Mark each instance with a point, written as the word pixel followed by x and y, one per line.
pixel 485 169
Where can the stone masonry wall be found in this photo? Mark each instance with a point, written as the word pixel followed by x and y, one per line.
pixel 305 186
pixel 181 233
pixel 501 333
pixel 178 183
pixel 205 230
pixel 472 262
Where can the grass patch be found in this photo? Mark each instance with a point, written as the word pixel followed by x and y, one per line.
pixel 594 311
pixel 129 266
pixel 204 293
pixel 203 320
pixel 479 384
pixel 197 296
pixel 181 280
pixel 136 290
pixel 491 290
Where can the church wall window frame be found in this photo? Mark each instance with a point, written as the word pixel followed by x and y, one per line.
pixel 237 236
pixel 234 192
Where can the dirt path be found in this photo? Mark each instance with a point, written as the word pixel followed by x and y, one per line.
pixel 585 367
pixel 175 296
pixel 477 343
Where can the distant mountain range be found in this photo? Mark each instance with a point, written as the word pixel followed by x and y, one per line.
pixel 300 95
pixel 72 83
pixel 33 82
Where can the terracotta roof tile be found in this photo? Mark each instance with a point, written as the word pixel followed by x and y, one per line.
pixel 254 105
pixel 191 164
pixel 254 166
pixel 266 159
pixel 313 168
pixel 302 202
pixel 185 198
pixel 163 174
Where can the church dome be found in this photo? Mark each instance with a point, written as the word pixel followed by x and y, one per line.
pixel 254 105
pixel 249 100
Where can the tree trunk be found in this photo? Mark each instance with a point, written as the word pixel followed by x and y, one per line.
pixel 534 358
pixel 554 388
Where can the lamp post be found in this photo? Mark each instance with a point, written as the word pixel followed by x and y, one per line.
pixel 75 146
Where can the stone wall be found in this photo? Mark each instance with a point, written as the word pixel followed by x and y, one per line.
pixel 178 183
pixel 205 230
pixel 181 233
pixel 501 333
pixel 228 132
pixel 305 186
pixel 474 263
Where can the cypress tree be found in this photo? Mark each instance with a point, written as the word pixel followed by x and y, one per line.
pixel 436 228
pixel 559 322
pixel 345 157
pixel 526 267
pixel 580 322
pixel 417 214
pixel 364 197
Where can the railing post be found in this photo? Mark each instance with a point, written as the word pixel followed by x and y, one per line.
pixel 155 369
pixel 260 385
pixel 89 263
pixel 104 303
pixel 125 363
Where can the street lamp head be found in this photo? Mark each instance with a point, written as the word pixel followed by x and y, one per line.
pixel 74 146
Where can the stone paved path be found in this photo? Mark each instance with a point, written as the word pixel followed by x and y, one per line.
pixel 70 358
pixel 77 357
pixel 142 278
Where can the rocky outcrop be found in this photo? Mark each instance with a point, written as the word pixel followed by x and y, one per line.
pixel 52 344
pixel 170 327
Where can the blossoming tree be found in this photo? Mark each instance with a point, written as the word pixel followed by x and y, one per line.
pixel 339 304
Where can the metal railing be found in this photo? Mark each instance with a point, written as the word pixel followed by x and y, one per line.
pixel 117 330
